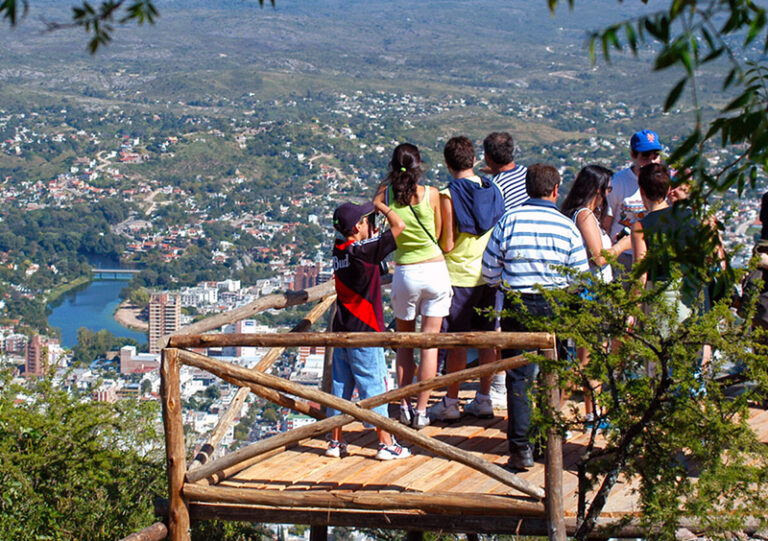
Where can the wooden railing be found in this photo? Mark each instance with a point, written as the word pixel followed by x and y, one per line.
pixel 197 482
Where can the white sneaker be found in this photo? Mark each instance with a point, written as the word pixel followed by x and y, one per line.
pixel 420 420
pixel 442 411
pixel 479 408
pixel 392 452
pixel 406 415
pixel 336 449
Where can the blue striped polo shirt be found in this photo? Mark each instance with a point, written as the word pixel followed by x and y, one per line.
pixel 512 186
pixel 527 245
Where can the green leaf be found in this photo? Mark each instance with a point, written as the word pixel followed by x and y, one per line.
pixel 674 94
pixel 10 10
pixel 715 53
pixel 758 23
pixel 730 78
pixel 740 101
pixel 629 32
pixel 552 5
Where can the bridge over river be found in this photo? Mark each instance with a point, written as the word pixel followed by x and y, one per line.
pixel 115 274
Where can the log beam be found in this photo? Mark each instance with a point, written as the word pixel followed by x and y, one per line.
pixel 450 503
pixel 278 300
pixel 500 340
pixel 156 532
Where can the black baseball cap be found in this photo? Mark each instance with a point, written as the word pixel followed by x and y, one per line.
pixel 346 216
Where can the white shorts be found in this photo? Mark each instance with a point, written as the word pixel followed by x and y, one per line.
pixel 421 288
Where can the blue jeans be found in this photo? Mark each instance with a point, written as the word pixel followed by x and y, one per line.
pixel 363 368
pixel 520 380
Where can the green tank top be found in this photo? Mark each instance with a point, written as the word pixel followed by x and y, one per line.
pixel 413 244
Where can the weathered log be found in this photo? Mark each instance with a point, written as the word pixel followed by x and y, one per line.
pixel 175 449
pixel 553 474
pixel 236 461
pixel 451 503
pixel 278 300
pixel 327 383
pixel 607 527
pixel 438 447
pixel 501 340
pixel 274 396
pixel 155 532
pixel 264 364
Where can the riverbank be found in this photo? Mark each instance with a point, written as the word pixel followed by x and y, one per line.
pixel 127 315
pixel 60 290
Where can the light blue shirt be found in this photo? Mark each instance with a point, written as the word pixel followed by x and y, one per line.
pixel 527 246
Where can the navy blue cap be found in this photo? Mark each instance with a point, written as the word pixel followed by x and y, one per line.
pixel 346 216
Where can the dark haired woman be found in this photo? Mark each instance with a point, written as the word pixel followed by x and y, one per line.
pixel 420 284
pixel 585 205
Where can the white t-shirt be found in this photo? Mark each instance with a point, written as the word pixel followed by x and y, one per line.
pixel 624 202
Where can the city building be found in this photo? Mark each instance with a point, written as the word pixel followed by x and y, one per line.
pixel 246 326
pixel 42 352
pixel 137 363
pixel 164 318
pixel 306 276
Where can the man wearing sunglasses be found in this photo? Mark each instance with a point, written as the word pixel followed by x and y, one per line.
pixel 625 206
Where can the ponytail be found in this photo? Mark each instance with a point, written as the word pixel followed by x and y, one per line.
pixel 404 172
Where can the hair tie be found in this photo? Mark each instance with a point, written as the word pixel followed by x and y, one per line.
pixel 403 169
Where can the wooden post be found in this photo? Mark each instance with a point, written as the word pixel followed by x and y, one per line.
pixel 175 449
pixel 327 382
pixel 318 532
pixel 553 480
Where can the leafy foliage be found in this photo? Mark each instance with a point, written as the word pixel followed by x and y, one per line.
pixel 94 344
pixel 670 423
pixel 75 469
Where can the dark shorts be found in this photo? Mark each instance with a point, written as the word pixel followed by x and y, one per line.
pixel 463 316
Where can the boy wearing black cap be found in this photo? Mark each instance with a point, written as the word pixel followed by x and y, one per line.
pixel 356 264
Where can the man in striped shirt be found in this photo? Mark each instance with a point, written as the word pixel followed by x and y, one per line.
pixel 499 151
pixel 523 253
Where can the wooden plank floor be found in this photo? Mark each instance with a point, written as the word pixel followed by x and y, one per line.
pixel 305 468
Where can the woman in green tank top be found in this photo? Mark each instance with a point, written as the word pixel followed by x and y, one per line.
pixel 420 284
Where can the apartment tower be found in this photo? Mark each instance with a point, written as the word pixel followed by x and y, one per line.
pixel 164 318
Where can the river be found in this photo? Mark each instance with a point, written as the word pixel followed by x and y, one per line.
pixel 91 305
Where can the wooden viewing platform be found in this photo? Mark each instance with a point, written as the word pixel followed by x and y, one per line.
pixel 455 481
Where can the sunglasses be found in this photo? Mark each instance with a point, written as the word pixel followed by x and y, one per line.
pixel 649 154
